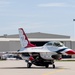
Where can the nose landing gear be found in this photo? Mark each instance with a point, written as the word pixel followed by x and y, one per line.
pixel 29 64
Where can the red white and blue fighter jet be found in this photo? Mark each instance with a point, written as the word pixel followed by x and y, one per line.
pixel 44 55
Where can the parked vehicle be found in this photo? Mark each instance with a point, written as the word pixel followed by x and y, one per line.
pixel 10 57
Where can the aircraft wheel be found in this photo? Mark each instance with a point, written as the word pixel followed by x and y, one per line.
pixel 53 65
pixel 47 66
pixel 29 65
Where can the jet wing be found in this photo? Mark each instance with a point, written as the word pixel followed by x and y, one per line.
pixel 32 50
pixel 29 51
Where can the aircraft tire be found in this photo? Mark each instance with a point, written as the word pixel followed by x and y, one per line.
pixel 29 65
pixel 53 65
pixel 47 65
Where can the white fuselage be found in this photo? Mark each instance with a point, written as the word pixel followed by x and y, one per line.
pixel 45 52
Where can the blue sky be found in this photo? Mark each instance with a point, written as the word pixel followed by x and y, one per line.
pixel 47 16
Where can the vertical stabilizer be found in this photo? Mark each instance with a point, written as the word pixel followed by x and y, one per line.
pixel 24 40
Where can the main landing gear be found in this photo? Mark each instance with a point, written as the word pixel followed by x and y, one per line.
pixel 50 63
pixel 46 66
pixel 39 62
pixel 29 64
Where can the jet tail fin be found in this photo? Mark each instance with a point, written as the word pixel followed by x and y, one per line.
pixel 24 39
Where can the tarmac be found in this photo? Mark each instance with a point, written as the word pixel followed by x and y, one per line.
pixel 18 67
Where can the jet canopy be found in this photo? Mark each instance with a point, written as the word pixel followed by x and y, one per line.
pixel 54 43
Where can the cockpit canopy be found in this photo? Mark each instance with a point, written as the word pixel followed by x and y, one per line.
pixel 54 43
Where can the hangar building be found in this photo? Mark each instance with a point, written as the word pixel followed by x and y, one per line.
pixel 12 42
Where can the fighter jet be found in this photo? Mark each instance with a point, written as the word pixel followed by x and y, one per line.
pixel 43 55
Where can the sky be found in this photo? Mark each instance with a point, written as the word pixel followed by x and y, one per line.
pixel 46 16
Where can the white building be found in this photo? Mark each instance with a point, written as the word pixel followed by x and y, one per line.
pixel 12 42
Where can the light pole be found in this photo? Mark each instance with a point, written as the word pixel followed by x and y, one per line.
pixel 74 27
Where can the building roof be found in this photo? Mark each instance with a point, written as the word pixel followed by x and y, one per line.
pixel 35 39
pixel 38 35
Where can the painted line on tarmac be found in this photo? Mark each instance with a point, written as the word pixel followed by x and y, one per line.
pixel 53 72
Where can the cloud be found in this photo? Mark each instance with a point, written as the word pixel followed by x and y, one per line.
pixel 56 5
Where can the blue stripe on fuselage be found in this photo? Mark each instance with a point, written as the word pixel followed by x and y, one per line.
pixel 60 50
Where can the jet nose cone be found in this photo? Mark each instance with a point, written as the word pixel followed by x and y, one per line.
pixel 70 52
